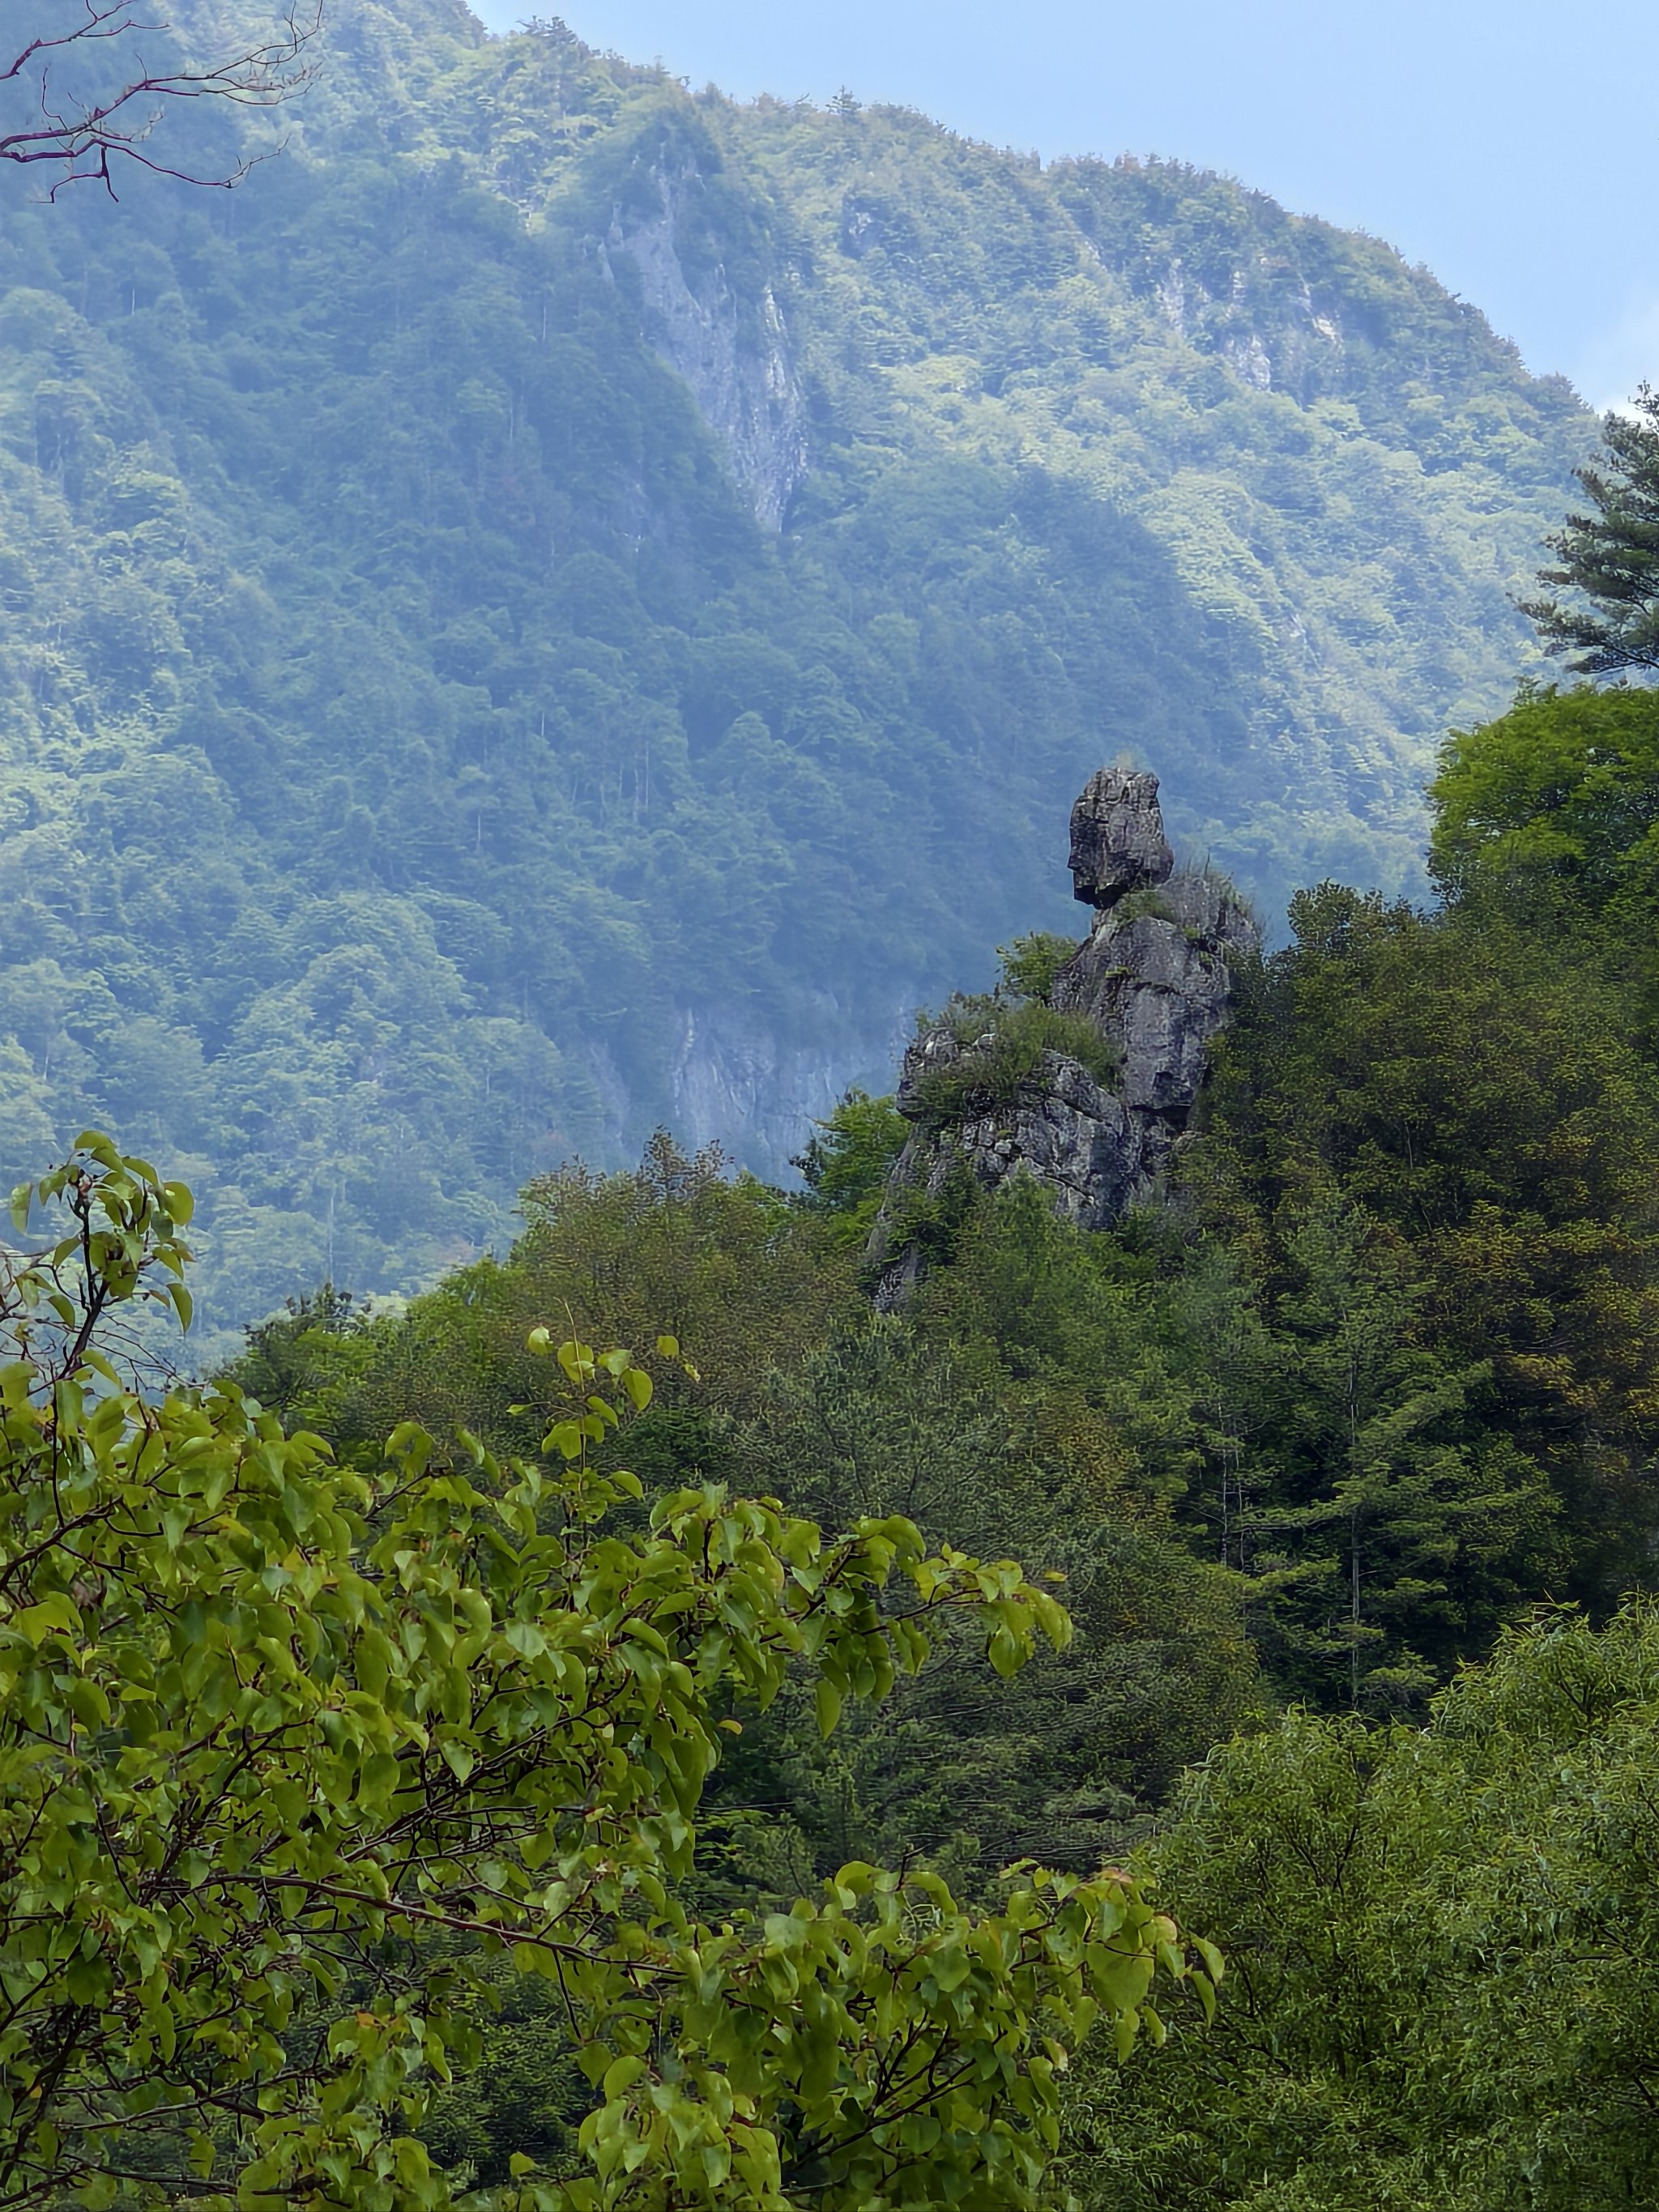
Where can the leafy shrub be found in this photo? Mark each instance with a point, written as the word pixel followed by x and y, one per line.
pixel 846 1166
pixel 1004 1047
pixel 930 1220
pixel 1148 904
pixel 1031 962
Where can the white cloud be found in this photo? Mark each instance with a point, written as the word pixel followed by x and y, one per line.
pixel 1617 356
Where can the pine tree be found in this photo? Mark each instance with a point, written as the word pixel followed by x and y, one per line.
pixel 1611 557
pixel 1380 1540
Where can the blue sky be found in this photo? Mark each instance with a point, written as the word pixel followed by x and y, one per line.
pixel 1510 147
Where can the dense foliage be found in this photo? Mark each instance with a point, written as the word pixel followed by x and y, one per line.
pixel 422 759
pixel 581 604
pixel 800 1393
pixel 303 1771
pixel 1374 1376
pixel 1610 557
pixel 1443 1960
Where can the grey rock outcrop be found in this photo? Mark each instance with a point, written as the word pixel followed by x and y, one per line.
pixel 734 354
pixel 1153 982
pixel 1118 843
pixel 1155 977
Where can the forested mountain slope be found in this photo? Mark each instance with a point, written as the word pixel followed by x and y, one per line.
pixel 564 604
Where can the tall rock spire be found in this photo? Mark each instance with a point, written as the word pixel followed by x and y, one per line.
pixel 1152 982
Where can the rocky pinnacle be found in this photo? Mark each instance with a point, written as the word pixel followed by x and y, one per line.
pixel 1118 843
pixel 1153 977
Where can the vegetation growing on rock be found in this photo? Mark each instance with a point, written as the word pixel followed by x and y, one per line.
pixel 403 675
pixel 443 1762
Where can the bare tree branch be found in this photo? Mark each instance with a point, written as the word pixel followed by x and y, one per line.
pixel 83 135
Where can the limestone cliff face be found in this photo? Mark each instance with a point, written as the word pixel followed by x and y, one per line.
pixel 730 1079
pixel 1265 321
pixel 1154 977
pixel 1152 981
pixel 734 354
pixel 730 1072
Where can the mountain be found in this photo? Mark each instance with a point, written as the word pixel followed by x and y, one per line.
pixel 564 604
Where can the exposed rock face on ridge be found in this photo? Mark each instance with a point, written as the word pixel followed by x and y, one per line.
pixel 1154 978
pixel 1151 980
pixel 737 360
pixel 730 1071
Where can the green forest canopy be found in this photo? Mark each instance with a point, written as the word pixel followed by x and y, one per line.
pixel 1341 1451
pixel 1344 1451
pixel 1323 1429
pixel 422 759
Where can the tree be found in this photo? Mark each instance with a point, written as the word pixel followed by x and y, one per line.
pixel 109 115
pixel 295 1765
pixel 1610 557
pixel 1065 1763
pixel 1464 1084
pixel 1555 805
pixel 725 1262
pixel 303 1355
pixel 1444 1945
pixel 1384 1544
pixel 846 1166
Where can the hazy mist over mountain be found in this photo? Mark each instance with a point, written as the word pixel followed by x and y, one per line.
pixel 564 605
pixel 1458 135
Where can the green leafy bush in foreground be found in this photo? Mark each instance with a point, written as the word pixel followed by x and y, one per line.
pixel 296 1764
